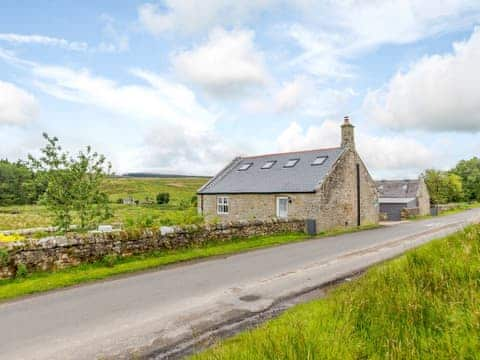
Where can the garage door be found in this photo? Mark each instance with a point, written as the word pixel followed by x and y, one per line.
pixel 393 211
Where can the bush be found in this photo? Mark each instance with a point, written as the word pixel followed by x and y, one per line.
pixel 163 198
pixel 194 200
pixel 145 221
pixel 3 257
pixel 21 271
pixel 110 260
pixel 184 204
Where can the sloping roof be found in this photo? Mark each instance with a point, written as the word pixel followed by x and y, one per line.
pixel 301 178
pixel 397 188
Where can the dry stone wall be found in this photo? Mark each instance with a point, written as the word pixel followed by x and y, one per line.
pixel 59 252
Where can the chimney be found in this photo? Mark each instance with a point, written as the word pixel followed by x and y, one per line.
pixel 348 138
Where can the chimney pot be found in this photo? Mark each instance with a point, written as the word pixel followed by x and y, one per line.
pixel 348 138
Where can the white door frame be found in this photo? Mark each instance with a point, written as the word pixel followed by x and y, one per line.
pixel 278 207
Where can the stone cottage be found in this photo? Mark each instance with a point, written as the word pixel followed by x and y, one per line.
pixel 331 186
pixel 397 195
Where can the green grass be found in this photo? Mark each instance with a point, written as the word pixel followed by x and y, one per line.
pixel 181 191
pixel 423 305
pixel 463 206
pixel 38 282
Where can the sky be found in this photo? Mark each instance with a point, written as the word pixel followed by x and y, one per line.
pixel 183 86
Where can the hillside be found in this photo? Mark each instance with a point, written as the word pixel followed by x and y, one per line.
pixel 179 210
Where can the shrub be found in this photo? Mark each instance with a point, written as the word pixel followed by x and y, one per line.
pixel 194 200
pixel 3 257
pixel 21 271
pixel 119 201
pixel 163 198
pixel 184 204
pixel 146 221
pixel 110 260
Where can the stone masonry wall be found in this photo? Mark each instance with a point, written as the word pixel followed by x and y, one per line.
pixel 423 198
pixel 64 251
pixel 332 205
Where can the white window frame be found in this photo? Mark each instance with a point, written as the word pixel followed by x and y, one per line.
pixel 278 206
pixel 287 164
pixel 268 164
pixel 223 205
pixel 319 160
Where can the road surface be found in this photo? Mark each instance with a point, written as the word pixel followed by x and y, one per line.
pixel 138 314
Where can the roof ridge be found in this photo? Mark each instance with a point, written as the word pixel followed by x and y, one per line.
pixel 289 152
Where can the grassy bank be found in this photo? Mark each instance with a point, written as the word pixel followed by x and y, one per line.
pixel 423 305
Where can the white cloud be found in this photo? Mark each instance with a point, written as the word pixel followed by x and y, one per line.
pixel 191 16
pixel 178 134
pixel 16 105
pixel 347 28
pixel 228 63
pixel 382 154
pixel 301 96
pixel 116 41
pixel 43 40
pixel 439 92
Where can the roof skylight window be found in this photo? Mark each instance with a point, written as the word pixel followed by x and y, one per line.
pixel 244 166
pixel 268 164
pixel 291 163
pixel 320 160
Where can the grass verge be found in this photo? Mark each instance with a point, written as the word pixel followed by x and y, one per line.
pixel 422 305
pixel 111 266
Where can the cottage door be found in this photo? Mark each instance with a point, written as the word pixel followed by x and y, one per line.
pixel 282 207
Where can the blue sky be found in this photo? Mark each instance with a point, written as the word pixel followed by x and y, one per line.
pixel 183 86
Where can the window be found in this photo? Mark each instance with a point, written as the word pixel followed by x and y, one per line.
pixel 291 163
pixel 245 166
pixel 222 205
pixel 320 160
pixel 268 164
pixel 282 207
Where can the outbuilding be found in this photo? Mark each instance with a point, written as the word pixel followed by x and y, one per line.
pixel 397 195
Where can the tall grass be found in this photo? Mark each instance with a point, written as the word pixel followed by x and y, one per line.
pixel 423 305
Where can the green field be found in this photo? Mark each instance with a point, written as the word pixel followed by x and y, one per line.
pixel 423 305
pixel 177 211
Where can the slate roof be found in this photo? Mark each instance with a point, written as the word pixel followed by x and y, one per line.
pixel 301 178
pixel 397 188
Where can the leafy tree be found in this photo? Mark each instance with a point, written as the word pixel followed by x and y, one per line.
pixel 469 172
pixel 72 184
pixel 163 198
pixel 444 187
pixel 454 188
pixel 17 184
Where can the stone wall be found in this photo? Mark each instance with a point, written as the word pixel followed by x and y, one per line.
pixel 407 213
pixel 423 198
pixel 333 205
pixel 63 251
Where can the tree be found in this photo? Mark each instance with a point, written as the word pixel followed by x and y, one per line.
pixel 17 185
pixel 163 198
pixel 454 188
pixel 73 184
pixel 469 172
pixel 444 187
